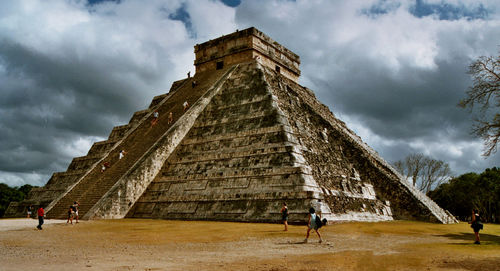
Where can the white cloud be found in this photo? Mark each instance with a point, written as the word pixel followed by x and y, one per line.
pixel 211 19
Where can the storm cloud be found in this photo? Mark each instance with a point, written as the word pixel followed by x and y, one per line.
pixel 394 71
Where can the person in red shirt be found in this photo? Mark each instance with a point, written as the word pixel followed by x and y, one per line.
pixel 41 214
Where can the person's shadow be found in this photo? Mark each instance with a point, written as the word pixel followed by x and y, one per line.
pixel 469 237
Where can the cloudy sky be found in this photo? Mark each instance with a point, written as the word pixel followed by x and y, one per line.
pixel 393 70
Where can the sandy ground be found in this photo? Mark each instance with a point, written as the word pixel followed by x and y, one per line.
pixel 133 244
pixel 26 223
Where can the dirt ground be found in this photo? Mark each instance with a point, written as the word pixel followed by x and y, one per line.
pixel 133 244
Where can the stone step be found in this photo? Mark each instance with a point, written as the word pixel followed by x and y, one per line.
pixel 138 116
pixel 119 132
pixel 254 172
pixel 157 99
pixel 237 126
pixel 188 153
pixel 258 132
pixel 101 147
pixel 247 159
pixel 94 185
pixel 229 119
pixel 83 163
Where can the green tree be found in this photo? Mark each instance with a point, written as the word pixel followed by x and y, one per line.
pixel 485 89
pixel 471 191
pixel 8 194
pixel 25 189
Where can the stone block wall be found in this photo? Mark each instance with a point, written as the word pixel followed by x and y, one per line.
pixel 243 46
pixel 357 183
pixel 236 163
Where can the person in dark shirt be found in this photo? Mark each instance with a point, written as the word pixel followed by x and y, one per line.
pixel 284 215
pixel 70 215
pixel 476 225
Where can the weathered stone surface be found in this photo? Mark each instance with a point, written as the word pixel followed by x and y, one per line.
pixel 244 46
pixel 251 139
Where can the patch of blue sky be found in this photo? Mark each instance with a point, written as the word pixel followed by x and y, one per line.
pixel 94 2
pixel 231 3
pixel 182 15
pixel 380 8
pixel 447 11
pixel 443 10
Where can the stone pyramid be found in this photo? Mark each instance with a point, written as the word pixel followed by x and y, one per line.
pixel 251 139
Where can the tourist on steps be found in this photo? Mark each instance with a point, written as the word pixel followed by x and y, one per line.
pixel 105 165
pixel 170 118
pixel 121 154
pixel 156 115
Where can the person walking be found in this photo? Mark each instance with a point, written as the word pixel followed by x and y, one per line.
pixel 105 166
pixel 170 118
pixel 41 215
pixel 121 154
pixel 70 215
pixel 476 225
pixel 156 115
pixel 311 224
pixel 284 215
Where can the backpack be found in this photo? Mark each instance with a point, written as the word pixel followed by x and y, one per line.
pixel 318 221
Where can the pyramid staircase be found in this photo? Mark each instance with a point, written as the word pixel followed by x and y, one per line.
pixel 84 182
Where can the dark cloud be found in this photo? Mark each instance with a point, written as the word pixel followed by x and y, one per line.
pixel 70 71
pixel 62 94
pixel 395 76
pixel 402 107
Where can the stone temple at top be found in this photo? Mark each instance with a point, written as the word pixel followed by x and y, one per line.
pixel 250 139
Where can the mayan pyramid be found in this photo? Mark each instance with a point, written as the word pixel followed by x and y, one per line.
pixel 251 139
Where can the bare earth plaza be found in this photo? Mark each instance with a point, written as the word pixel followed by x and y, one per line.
pixel 137 244
pixel 196 182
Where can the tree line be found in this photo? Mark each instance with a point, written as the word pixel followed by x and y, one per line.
pixel 459 195
pixel 8 194
pixel 471 191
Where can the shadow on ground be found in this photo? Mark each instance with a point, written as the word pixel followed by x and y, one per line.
pixel 472 264
pixel 469 237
